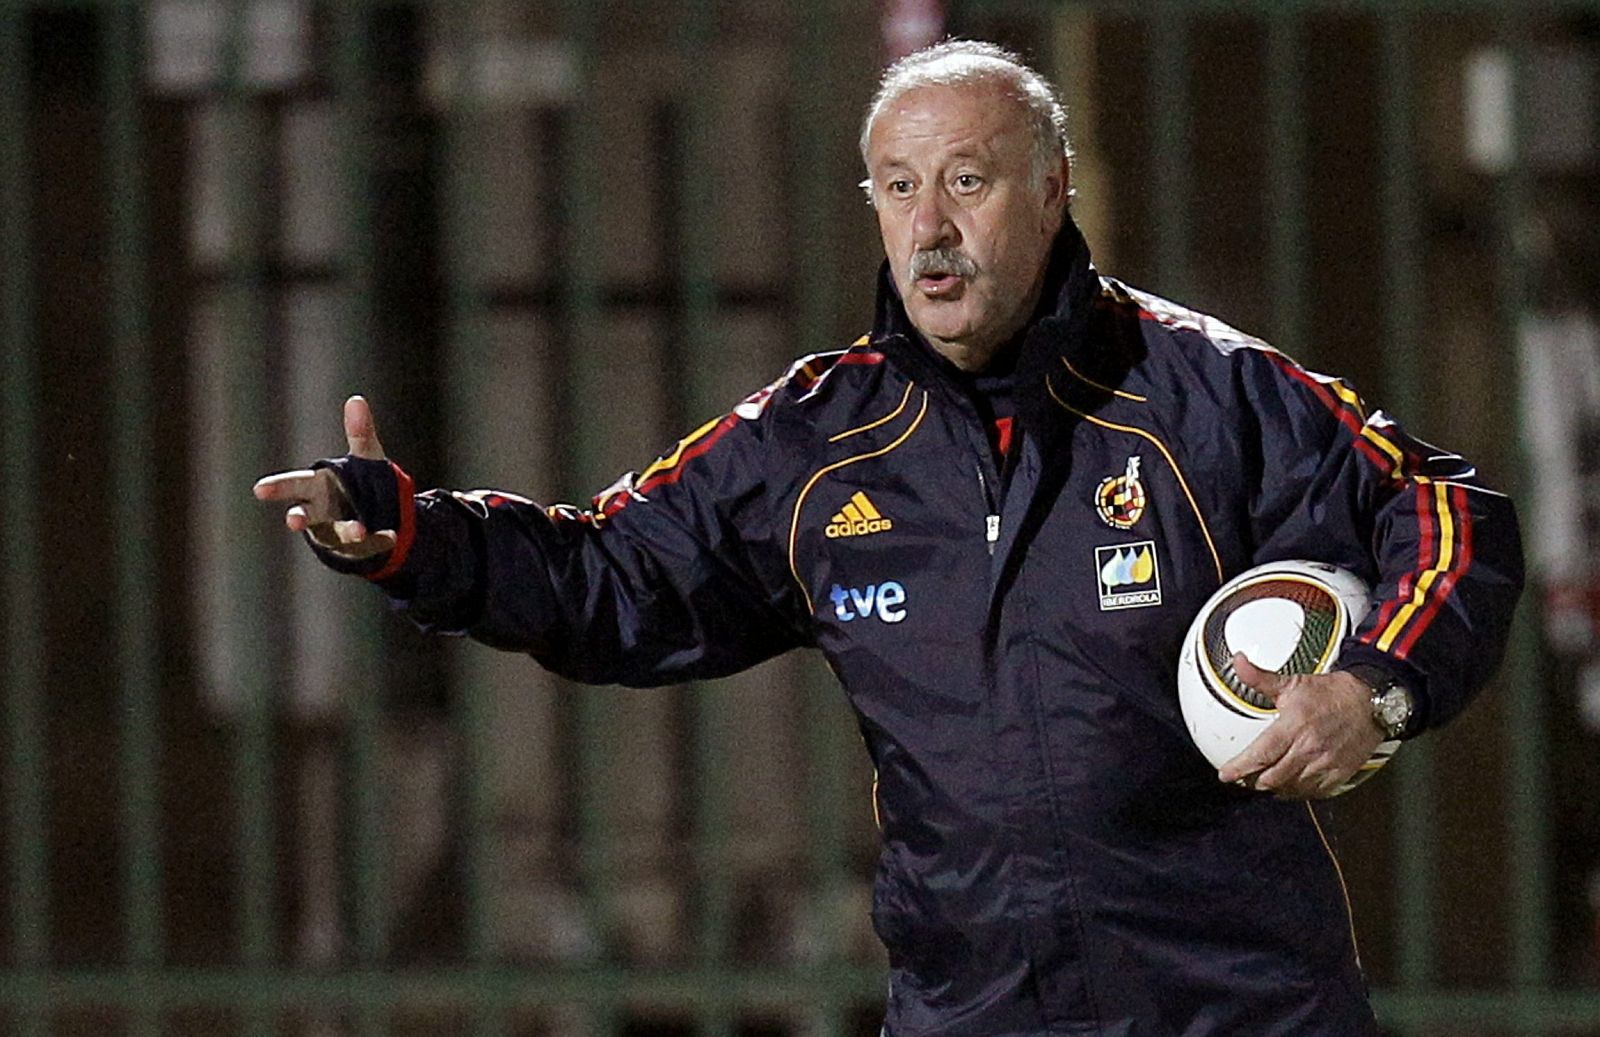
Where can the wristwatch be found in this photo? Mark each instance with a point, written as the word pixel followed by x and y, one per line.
pixel 1392 702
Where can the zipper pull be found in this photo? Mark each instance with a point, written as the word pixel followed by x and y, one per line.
pixel 991 522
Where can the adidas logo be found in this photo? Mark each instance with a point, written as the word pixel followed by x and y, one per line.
pixel 857 518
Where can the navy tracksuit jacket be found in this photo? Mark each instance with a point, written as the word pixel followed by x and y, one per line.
pixel 1057 857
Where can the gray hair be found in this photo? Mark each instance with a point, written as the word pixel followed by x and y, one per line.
pixel 964 62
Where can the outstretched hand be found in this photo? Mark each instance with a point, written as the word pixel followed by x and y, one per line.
pixel 1323 734
pixel 317 503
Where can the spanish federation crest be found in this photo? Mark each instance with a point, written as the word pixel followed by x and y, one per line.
pixel 1120 499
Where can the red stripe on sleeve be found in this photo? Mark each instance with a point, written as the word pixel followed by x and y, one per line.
pixel 1425 559
pixel 707 441
pixel 1351 419
pixel 1462 517
pixel 1374 455
pixel 1347 417
pixel 617 501
pixel 408 524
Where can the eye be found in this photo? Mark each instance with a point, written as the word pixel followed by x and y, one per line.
pixel 966 183
pixel 900 187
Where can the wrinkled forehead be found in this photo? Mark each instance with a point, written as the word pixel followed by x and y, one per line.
pixel 983 117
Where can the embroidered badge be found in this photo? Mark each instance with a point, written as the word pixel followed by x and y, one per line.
pixel 1120 499
pixel 1129 575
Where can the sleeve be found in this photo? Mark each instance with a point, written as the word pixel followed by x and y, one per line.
pixel 671 575
pixel 1441 550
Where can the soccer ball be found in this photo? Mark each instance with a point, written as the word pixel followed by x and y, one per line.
pixel 1289 617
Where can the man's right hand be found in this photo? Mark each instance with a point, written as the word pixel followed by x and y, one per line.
pixel 317 503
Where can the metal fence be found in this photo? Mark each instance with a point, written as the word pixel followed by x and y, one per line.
pixel 204 738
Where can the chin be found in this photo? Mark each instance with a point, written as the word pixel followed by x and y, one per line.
pixel 945 327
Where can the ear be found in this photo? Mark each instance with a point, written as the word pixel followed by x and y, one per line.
pixel 1057 196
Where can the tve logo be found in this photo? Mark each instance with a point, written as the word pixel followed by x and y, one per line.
pixel 884 599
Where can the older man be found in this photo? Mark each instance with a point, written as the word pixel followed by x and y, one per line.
pixel 927 508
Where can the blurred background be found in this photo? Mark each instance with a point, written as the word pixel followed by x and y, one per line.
pixel 546 239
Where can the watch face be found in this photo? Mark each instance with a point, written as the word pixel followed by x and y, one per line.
pixel 1394 709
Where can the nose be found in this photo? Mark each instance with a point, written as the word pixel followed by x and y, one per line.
pixel 930 221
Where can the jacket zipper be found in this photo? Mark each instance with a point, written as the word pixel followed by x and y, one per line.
pixel 991 521
pixel 963 403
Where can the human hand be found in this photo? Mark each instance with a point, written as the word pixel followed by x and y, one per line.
pixel 1323 734
pixel 318 505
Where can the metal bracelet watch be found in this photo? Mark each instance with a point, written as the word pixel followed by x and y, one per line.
pixel 1392 702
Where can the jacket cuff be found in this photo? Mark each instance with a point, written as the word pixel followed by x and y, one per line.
pixel 382 496
pixel 1355 654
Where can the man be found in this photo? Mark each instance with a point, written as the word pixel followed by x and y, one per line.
pixel 930 508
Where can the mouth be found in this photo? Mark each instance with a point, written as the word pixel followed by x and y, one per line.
pixel 937 283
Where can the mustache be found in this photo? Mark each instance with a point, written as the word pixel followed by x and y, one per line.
pixel 942 261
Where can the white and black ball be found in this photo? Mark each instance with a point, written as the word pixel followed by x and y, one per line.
pixel 1289 617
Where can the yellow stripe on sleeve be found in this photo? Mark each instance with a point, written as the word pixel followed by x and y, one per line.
pixel 672 459
pixel 1419 593
pixel 1348 395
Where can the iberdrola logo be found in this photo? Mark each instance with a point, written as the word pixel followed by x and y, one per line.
pixel 1129 575
pixel 1120 499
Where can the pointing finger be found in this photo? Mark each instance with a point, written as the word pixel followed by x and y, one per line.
pixel 360 430
pixel 296 486
pixel 316 496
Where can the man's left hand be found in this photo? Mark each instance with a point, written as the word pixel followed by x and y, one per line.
pixel 1323 734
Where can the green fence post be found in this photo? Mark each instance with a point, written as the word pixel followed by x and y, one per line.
pixel 1171 182
pixel 694 138
pixel 367 867
pixel 245 361
pixel 819 176
pixel 584 351
pixel 1528 818
pixel 133 505
pixel 469 364
pixel 22 598
pixel 1286 180
pixel 1415 828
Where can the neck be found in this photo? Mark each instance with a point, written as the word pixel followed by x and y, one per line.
pixel 967 356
